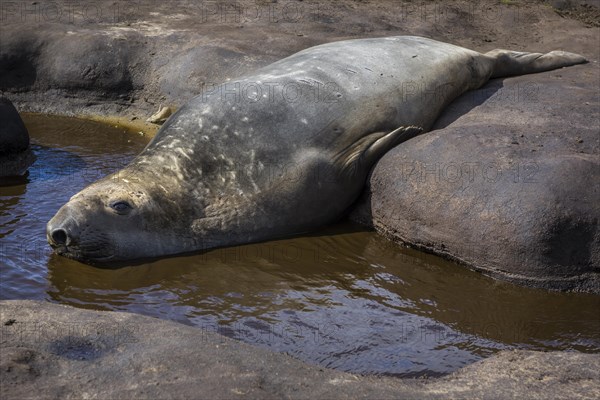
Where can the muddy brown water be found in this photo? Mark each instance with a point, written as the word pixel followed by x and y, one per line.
pixel 343 297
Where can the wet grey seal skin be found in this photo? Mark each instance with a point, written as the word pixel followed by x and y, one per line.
pixel 280 152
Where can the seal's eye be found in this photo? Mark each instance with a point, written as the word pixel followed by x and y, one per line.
pixel 121 207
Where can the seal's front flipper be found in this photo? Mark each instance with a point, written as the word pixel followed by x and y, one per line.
pixel 384 144
pixel 364 153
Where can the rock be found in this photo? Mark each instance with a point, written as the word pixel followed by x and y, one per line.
pixel 586 11
pixel 14 137
pixel 506 183
pixel 58 351
pixel 517 374
pixel 93 58
pixel 561 4
pixel 15 153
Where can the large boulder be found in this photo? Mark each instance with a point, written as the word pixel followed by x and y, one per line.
pixel 14 137
pixel 52 351
pixel 506 182
pixel 15 153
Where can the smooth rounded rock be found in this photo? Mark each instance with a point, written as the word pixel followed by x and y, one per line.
pixel 507 184
pixel 15 153
pixel 14 137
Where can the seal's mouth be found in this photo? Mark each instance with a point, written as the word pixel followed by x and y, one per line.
pixel 89 254
pixel 85 257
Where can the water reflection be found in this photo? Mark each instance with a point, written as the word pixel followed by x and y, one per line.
pixel 344 298
pixel 12 192
pixel 70 154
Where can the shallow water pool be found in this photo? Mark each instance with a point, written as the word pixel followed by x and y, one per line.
pixel 343 297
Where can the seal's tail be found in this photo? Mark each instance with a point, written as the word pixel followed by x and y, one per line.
pixel 508 63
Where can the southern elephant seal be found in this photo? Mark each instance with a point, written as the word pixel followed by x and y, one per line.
pixel 279 152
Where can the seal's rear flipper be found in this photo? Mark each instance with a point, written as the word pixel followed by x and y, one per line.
pixel 365 152
pixel 509 63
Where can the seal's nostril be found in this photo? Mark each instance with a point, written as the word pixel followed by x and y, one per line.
pixel 59 236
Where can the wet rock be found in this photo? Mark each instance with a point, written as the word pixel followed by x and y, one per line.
pixel 506 183
pixel 61 352
pixel 15 153
pixel 14 137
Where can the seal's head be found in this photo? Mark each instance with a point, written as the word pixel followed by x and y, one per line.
pixel 116 219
